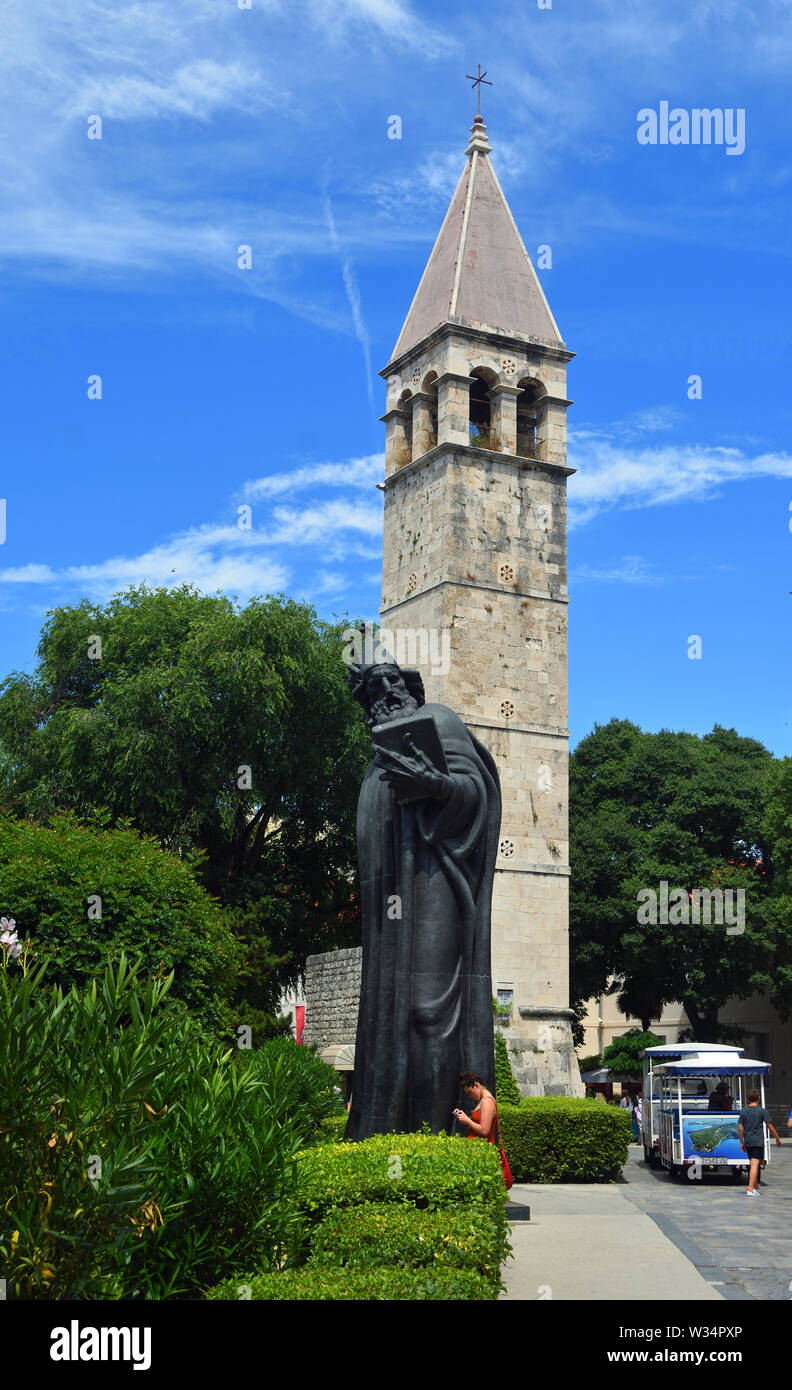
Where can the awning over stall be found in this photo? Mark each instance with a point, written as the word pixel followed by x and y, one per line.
pixel 714 1064
pixel 340 1056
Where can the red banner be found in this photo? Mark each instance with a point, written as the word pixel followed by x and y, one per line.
pixel 299 1021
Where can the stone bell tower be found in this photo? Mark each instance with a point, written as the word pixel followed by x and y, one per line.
pixel 474 574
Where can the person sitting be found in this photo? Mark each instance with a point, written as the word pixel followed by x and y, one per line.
pixel 720 1099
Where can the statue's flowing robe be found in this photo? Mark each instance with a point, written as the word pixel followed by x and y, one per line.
pixel 426 874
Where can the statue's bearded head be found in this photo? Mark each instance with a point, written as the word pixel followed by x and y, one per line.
pixel 388 696
pixel 386 691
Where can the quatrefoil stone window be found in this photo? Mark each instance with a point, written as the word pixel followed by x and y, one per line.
pixel 508 366
pixel 416 376
pixel 507 709
pixel 507 848
pixel 506 574
pixel 412 582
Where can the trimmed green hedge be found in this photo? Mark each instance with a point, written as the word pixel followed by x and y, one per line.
pixel 343 1285
pixel 430 1170
pixel 397 1217
pixel 380 1234
pixel 549 1139
pixel 558 1139
pixel 331 1130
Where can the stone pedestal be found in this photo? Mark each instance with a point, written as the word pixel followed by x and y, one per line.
pixel 542 1053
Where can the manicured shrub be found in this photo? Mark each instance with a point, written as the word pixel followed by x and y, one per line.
pixel 150 905
pixel 564 1140
pixel 430 1170
pixel 377 1234
pixel 314 1092
pixel 331 1130
pixel 343 1285
pixel 136 1159
pixel 507 1092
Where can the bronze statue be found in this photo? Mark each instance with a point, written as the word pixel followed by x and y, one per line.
pixel 427 832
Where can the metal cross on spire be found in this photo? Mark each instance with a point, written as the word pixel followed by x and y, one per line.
pixel 477 81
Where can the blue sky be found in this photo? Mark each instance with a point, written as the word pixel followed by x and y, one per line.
pixel 268 127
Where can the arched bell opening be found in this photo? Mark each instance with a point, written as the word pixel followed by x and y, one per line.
pixel 403 450
pixel 424 416
pixel 528 415
pixel 480 415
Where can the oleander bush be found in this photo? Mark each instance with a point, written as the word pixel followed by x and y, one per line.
pixel 379 1234
pixel 315 1096
pixel 559 1139
pixel 429 1170
pixel 137 1160
pixel 342 1285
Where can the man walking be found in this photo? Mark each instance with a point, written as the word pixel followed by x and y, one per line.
pixel 751 1123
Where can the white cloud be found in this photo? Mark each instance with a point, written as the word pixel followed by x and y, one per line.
pixel 311 525
pixel 27 574
pixel 430 184
pixel 632 569
pixel 353 296
pixel 610 474
pixel 176 83
pixel 219 555
pixel 331 582
pixel 197 89
pixel 178 80
pixel 356 473
pixel 332 534
pixel 390 19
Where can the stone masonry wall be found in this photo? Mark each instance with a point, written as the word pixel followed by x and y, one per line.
pixel 332 994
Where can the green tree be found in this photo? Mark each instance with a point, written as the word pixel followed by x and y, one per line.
pixel 213 727
pixel 648 808
pixel 777 825
pixel 624 1055
pixel 86 894
pixel 605 844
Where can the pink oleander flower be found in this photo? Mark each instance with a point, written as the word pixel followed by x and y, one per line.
pixel 9 939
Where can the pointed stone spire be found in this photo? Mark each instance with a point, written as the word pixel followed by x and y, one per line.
pixel 479 272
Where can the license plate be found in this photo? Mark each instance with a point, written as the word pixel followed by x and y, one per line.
pixel 711 1161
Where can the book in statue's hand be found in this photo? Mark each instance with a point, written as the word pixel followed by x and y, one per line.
pixel 396 735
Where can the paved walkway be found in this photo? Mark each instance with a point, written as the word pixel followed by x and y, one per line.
pixel 649 1237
